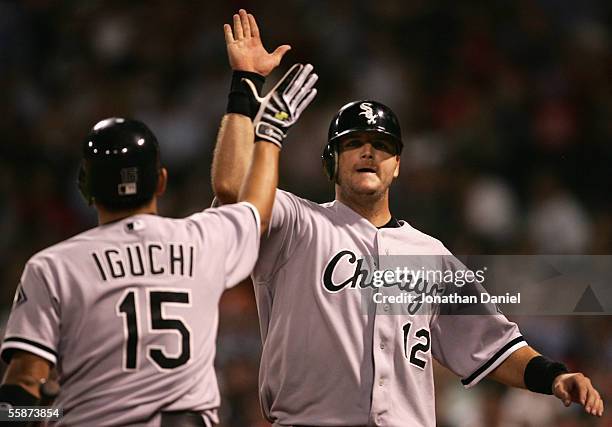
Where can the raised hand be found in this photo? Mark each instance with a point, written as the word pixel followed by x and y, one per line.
pixel 244 48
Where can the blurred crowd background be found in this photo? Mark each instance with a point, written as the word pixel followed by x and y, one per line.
pixel 505 106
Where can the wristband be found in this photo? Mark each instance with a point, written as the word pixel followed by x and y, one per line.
pixel 540 373
pixel 15 395
pixel 240 99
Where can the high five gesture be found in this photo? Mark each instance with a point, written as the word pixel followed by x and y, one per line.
pixel 244 48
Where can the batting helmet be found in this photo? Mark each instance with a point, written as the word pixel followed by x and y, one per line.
pixel 120 165
pixel 359 116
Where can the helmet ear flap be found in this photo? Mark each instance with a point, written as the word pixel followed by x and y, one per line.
pixel 84 185
pixel 330 161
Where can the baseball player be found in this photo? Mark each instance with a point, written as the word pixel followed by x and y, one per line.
pixel 127 312
pixel 326 361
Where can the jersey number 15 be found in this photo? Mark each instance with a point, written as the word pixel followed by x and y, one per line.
pixel 128 309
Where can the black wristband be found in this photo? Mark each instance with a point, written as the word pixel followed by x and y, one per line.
pixel 540 373
pixel 240 99
pixel 15 395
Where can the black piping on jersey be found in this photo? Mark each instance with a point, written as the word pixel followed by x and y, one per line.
pixel 257 223
pixel 393 223
pixel 8 351
pixel 492 360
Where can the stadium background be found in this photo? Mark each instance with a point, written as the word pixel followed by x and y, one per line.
pixel 506 110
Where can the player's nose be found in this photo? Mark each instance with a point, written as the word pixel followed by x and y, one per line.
pixel 367 151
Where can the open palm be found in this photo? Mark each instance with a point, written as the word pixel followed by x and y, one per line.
pixel 244 47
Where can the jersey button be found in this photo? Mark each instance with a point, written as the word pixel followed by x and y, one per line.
pixel 381 382
pixel 382 345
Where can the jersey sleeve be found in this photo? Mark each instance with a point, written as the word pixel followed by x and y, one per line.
pixel 230 235
pixel 34 322
pixel 472 339
pixel 288 225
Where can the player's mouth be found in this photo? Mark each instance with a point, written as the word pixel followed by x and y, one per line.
pixel 367 169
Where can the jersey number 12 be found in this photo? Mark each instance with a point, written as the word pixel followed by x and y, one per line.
pixel 128 309
pixel 418 347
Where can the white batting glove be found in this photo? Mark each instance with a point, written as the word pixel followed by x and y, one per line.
pixel 283 105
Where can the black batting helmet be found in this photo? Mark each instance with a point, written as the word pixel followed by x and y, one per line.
pixel 120 165
pixel 359 116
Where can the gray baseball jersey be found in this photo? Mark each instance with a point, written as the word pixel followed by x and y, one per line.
pixel 328 362
pixel 128 313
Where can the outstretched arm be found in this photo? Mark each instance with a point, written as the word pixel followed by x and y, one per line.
pixel 232 156
pixel 234 148
pixel 276 113
pixel 525 368
pixel 259 186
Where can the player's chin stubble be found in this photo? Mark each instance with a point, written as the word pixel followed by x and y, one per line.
pixel 359 192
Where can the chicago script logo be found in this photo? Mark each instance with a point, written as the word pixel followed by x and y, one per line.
pixel 368 112
pixel 362 278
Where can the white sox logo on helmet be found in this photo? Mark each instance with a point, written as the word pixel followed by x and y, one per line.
pixel 368 112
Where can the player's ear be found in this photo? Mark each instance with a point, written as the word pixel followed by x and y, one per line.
pixel 397 167
pixel 162 181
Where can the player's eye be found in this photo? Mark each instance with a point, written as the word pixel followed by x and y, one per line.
pixel 384 146
pixel 352 143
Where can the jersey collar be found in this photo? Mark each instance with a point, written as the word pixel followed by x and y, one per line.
pixel 357 218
